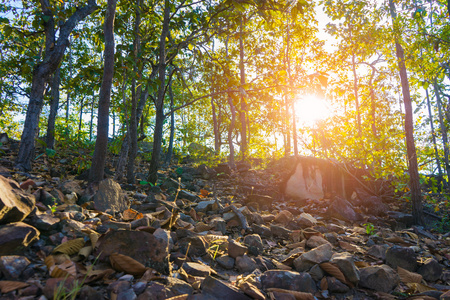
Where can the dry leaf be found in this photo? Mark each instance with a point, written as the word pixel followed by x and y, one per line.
pixel 395 239
pixel 349 247
pixel 85 251
pixel 204 193
pixel 63 270
pixel 94 238
pixel 123 263
pixel 335 272
pixel 297 295
pixel 9 286
pixel 131 215
pixel 200 227
pixel 70 247
pixel 324 284
pixel 362 264
pixel 408 277
pixel 420 288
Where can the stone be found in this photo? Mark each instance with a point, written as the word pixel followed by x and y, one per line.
pixel 221 290
pixel 346 264
pixel 54 284
pixel 167 288
pixel 15 204
pixel 236 249
pixel 262 200
pixel 245 264
pixel 305 182
pixel 374 205
pixel 280 231
pixel 380 278
pixel 431 270
pixel 378 251
pixel 252 291
pixel 12 266
pixel 315 256
pixel 331 237
pixel 89 293
pixel 196 269
pixel 305 220
pixel 187 195
pixel 197 245
pixel 406 219
pixel 288 280
pixel 69 186
pixel 445 296
pixel 316 273
pixel 15 237
pixel 45 222
pixel 204 206
pixel 226 262
pixel 404 257
pixel 262 230
pixel 139 245
pixel 316 241
pixel 283 217
pixel 254 244
pixel 115 225
pixel 343 210
pixel 109 197
pixel 29 183
pixel 336 286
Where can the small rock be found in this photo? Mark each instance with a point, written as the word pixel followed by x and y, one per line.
pixel 27 184
pixel 245 264
pixel 288 280
pixel 342 209
pixel 15 237
pixel 262 230
pixel 117 225
pixel 187 195
pixel 226 262
pixel 45 222
pixel 196 269
pixel 305 220
pixel 12 266
pixel 15 204
pixel 316 273
pixel 379 251
pixel 280 231
pixel 445 296
pixel 316 241
pixel 345 263
pixel 221 290
pixel 317 255
pixel 252 291
pixel 331 237
pixel 335 286
pixel 431 270
pixel 254 243
pixel 236 249
pixel 54 284
pixel 260 199
pixel 70 186
pixel 89 293
pixel 284 217
pixel 204 206
pixel 380 278
pixel 109 197
pixel 403 257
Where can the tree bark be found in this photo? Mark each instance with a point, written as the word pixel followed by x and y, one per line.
pixel 159 104
pixel 442 125
pixel 416 196
pixel 433 135
pixel 54 103
pixel 54 52
pixel 172 126
pixel 355 91
pixel 243 111
pixel 96 173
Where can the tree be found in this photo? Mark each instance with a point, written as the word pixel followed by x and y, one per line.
pixel 96 173
pixel 54 52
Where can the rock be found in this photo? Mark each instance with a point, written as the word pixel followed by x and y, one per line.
pixel 197 245
pixel 29 183
pixel 374 205
pixel 109 197
pixel 89 293
pixel 204 206
pixel 317 255
pixel 45 222
pixel 206 172
pixel 280 231
pixel 196 269
pixel 380 278
pixel 342 209
pixel 171 183
pixel 331 237
pixel 316 273
pixel 403 257
pixel 254 244
pixel 226 262
pixel 15 237
pixel 305 182
pixel 139 245
pixel 252 291
pixel 379 251
pixel 431 270
pixel 335 286
pixel 283 217
pixel 221 290
pixel 12 266
pixel 445 296
pixel 260 199
pixel 289 280
pixel 406 219
pixel 245 264
pixel 345 263
pixel 262 230
pixel 305 220
pixel 70 186
pixel 15 204
pixel 236 249
pixel 316 241
pixel 65 285
pixel 117 225
pixel 187 195
pixel 223 168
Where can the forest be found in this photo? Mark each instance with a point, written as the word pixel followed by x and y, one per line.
pixel 152 93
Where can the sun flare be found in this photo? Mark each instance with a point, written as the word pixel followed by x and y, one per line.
pixel 309 109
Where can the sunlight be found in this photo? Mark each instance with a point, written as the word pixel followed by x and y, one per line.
pixel 309 109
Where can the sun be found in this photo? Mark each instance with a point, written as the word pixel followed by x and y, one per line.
pixel 309 109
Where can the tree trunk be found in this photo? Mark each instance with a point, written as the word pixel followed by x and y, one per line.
pixel 355 91
pixel 54 103
pixel 54 52
pixel 288 61
pixel 416 196
pixel 159 104
pixel 101 144
pixel 373 105
pixel 442 125
pixel 69 90
pixel 172 126
pixel 242 92
pixel 433 135
pixel 91 122
pixel 135 95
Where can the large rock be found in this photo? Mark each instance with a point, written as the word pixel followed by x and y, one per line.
pixel 15 237
pixel 15 204
pixel 403 257
pixel 431 270
pixel 140 245
pixel 305 183
pixel 219 289
pixel 380 278
pixel 289 280
pixel 109 197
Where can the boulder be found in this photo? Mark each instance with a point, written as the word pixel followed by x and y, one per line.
pixel 15 237
pixel 15 204
pixel 109 197
pixel 431 270
pixel 305 183
pixel 380 278
pixel 403 257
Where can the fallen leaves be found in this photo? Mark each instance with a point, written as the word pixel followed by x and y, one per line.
pixel 123 263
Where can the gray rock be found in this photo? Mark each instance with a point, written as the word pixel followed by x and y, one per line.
pixel 262 230
pixel 226 262
pixel 196 269
pixel 15 237
pixel 403 257
pixel 346 264
pixel 187 195
pixel 221 290
pixel 280 231
pixel 15 204
pixel 342 209
pixel 335 286
pixel 205 206
pixel 288 280
pixel 109 197
pixel 12 266
pixel 431 270
pixel 316 241
pixel 44 222
pixel 69 186
pixel 380 278
pixel 379 251
pixel 254 244
pixel 236 249
pixel 305 220
pixel 245 264
pixel 315 256
pixel 316 273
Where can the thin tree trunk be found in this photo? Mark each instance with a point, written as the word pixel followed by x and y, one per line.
pixel 92 116
pixel 242 91
pixel 416 196
pixel 69 90
pixel 54 103
pixel 231 162
pixel 101 144
pixel 373 105
pixel 288 60
pixel 172 126
pixel 355 90
pixel 442 125
pixel 159 104
pixel 433 135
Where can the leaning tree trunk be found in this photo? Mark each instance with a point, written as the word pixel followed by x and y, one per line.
pixel 416 196
pixel 101 144
pixel 54 103
pixel 54 53
pixel 159 103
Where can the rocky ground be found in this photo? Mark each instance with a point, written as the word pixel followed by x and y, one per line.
pixel 208 234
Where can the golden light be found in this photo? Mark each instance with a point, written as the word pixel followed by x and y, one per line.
pixel 309 109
